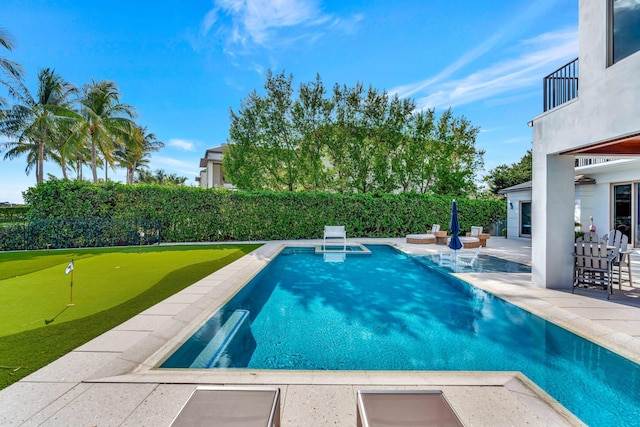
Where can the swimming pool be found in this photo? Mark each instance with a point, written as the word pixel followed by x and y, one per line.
pixel 390 311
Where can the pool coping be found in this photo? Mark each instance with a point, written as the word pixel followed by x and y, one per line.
pixel 128 353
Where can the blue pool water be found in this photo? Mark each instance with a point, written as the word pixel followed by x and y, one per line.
pixel 391 311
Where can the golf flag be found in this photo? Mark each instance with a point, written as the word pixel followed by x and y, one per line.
pixel 69 268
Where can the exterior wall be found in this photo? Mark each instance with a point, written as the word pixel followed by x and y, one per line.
pixel 552 211
pixel 211 176
pixel 584 207
pixel 217 175
pixel 513 214
pixel 607 105
pixel 606 108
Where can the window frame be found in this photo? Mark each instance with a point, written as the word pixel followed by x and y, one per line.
pixel 610 22
pixel 520 211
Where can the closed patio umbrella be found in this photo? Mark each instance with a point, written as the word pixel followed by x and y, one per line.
pixel 454 226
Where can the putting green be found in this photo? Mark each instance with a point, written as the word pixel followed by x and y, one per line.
pixel 34 291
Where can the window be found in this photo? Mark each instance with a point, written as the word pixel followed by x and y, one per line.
pixel 622 209
pixel 624 29
pixel 525 219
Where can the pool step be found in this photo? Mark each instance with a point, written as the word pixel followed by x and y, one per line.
pixel 210 355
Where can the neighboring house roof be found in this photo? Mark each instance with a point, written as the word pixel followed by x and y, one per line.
pixel 205 159
pixel 518 187
pixel 578 180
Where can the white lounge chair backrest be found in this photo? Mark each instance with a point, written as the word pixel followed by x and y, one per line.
pixel 335 232
pixel 476 231
pixel 435 228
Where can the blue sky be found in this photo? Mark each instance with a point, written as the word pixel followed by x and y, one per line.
pixel 183 65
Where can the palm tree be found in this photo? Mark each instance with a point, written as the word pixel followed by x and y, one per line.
pixel 105 119
pixel 135 149
pixel 32 121
pixel 67 147
pixel 160 177
pixel 12 70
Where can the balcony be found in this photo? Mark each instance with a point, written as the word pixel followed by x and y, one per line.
pixel 561 86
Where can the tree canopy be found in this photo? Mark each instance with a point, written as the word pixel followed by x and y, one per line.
pixel 349 139
pixel 69 127
pixel 503 176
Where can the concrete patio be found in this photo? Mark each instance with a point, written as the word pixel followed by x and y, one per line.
pixel 112 380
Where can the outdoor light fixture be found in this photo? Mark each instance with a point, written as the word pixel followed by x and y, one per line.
pixel 510 205
pixel 530 123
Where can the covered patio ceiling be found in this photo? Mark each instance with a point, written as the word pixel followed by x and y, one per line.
pixel 622 146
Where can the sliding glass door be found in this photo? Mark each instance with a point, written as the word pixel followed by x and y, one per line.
pixel 622 209
pixel 636 244
pixel 525 219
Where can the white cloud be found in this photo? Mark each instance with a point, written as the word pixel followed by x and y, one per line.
pixel 541 55
pixel 246 23
pixel 184 172
pixel 183 144
pixel 628 4
pixel 509 31
pixel 174 163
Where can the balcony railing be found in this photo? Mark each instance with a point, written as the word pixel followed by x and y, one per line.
pixel 561 86
pixel 587 161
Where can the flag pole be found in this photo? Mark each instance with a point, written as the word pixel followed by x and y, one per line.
pixel 68 270
pixel 71 290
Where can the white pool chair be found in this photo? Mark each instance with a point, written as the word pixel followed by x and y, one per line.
pixel 468 258
pixel 335 232
pixel 460 257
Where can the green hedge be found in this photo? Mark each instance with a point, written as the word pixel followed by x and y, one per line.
pixel 78 233
pixel 11 214
pixel 194 214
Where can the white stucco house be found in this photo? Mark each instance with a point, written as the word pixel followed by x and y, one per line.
pixel 212 174
pixel 599 117
pixel 602 192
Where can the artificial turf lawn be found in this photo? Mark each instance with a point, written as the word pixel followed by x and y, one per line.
pixel 110 286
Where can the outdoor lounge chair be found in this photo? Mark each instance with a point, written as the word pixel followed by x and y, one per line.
pixel 460 257
pixel 469 242
pixel 335 232
pixel 388 408
pixel 476 231
pixel 231 407
pixel 426 238
pixel 467 258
